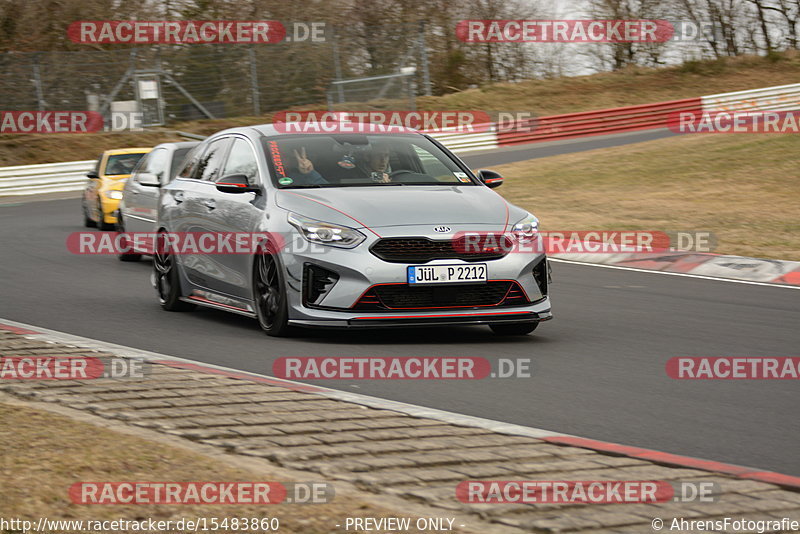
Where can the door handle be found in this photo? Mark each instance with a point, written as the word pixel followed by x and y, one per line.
pixel 178 196
pixel 210 203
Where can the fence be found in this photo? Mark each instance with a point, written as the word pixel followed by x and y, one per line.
pixel 212 80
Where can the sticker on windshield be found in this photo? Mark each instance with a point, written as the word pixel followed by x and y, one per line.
pixel 462 177
pixel 285 181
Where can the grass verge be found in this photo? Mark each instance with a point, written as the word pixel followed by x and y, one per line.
pixel 45 453
pixel 743 187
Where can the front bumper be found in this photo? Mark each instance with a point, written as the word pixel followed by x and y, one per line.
pixel 359 270
pixel 417 319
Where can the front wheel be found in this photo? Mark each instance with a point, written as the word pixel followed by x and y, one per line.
pixel 167 283
pixel 88 222
pixel 269 296
pixel 514 329
pixel 101 219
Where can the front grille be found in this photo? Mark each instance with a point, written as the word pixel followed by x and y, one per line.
pixel 422 249
pixel 405 297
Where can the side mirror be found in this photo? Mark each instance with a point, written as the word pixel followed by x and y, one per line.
pixel 148 179
pixel 236 183
pixel 92 175
pixel 490 178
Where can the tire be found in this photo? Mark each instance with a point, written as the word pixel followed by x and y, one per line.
pixel 87 221
pixel 514 329
pixel 120 228
pixel 165 272
pixel 269 296
pixel 101 223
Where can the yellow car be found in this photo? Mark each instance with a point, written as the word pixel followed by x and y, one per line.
pixel 104 189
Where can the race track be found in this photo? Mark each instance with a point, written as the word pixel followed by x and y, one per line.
pixel 598 368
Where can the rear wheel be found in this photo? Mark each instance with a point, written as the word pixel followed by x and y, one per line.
pixel 167 283
pixel 515 329
pixel 269 295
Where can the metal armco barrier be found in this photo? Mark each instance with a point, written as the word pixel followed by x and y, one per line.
pixel 602 122
pixel 47 178
pixel 779 98
pixel 466 142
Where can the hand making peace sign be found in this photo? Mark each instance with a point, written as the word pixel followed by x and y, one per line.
pixel 303 163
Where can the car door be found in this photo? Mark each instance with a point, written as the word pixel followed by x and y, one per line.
pixel 195 196
pixel 239 213
pixel 140 203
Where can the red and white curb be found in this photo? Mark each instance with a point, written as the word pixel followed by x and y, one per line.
pixel 53 336
pixel 740 269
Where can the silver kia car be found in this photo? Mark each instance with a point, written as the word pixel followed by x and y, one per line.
pixel 139 205
pixel 358 230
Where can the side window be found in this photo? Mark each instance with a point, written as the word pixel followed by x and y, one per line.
pixel 156 161
pixel 209 166
pixel 241 160
pixel 178 159
pixel 192 161
pixel 140 167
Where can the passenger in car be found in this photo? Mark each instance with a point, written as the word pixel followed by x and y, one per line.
pixel 306 174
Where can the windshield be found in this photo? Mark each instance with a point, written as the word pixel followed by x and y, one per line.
pixel 122 163
pixel 360 160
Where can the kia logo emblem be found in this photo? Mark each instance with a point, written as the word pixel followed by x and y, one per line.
pixel 442 229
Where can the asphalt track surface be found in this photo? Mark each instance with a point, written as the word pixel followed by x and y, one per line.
pixel 598 368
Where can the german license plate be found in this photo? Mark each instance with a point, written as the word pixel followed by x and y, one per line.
pixel 447 274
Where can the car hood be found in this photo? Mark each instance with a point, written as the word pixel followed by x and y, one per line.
pixel 381 206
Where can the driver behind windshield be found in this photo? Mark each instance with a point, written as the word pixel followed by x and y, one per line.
pixel 374 163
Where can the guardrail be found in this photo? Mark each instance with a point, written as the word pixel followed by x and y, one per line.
pixel 466 142
pixel 588 123
pixel 47 178
pixel 778 98
pixel 70 176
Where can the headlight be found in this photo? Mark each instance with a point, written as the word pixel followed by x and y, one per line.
pixel 114 194
pixel 326 233
pixel 526 229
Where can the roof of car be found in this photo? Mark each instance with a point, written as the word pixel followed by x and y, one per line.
pixel 119 151
pixel 177 145
pixel 270 130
